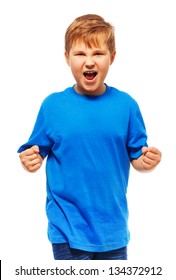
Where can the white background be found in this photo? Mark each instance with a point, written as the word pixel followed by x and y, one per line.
pixel 32 66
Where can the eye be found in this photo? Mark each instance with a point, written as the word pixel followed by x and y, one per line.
pixel 79 54
pixel 98 53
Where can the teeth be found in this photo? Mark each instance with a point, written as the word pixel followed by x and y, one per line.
pixel 88 72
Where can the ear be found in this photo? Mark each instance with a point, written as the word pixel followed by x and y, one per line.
pixel 67 58
pixel 113 56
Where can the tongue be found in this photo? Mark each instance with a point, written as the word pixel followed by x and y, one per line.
pixel 89 76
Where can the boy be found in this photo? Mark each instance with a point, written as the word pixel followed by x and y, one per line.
pixel 90 133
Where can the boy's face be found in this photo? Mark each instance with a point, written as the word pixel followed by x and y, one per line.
pixel 89 67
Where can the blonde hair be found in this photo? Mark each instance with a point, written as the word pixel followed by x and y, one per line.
pixel 93 30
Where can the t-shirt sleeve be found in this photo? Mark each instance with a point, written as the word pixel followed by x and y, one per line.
pixel 137 133
pixel 38 136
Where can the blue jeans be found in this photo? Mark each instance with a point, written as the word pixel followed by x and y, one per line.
pixel 63 251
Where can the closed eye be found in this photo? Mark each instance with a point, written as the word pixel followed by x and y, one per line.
pixel 79 53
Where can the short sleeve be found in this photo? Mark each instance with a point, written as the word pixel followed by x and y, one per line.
pixel 38 136
pixel 137 133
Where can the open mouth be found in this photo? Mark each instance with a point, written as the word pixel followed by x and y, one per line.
pixel 90 75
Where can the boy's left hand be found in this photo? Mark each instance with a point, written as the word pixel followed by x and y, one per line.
pixel 150 158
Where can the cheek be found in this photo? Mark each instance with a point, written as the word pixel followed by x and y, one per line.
pixel 104 62
pixel 104 65
pixel 75 69
pixel 76 65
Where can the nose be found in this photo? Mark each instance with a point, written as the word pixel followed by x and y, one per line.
pixel 89 62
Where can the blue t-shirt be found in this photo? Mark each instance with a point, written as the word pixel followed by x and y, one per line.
pixel 89 142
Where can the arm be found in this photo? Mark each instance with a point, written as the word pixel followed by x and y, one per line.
pixel 30 159
pixel 148 160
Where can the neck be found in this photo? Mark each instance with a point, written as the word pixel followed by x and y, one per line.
pixel 97 92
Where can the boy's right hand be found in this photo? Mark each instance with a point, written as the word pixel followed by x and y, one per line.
pixel 31 160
